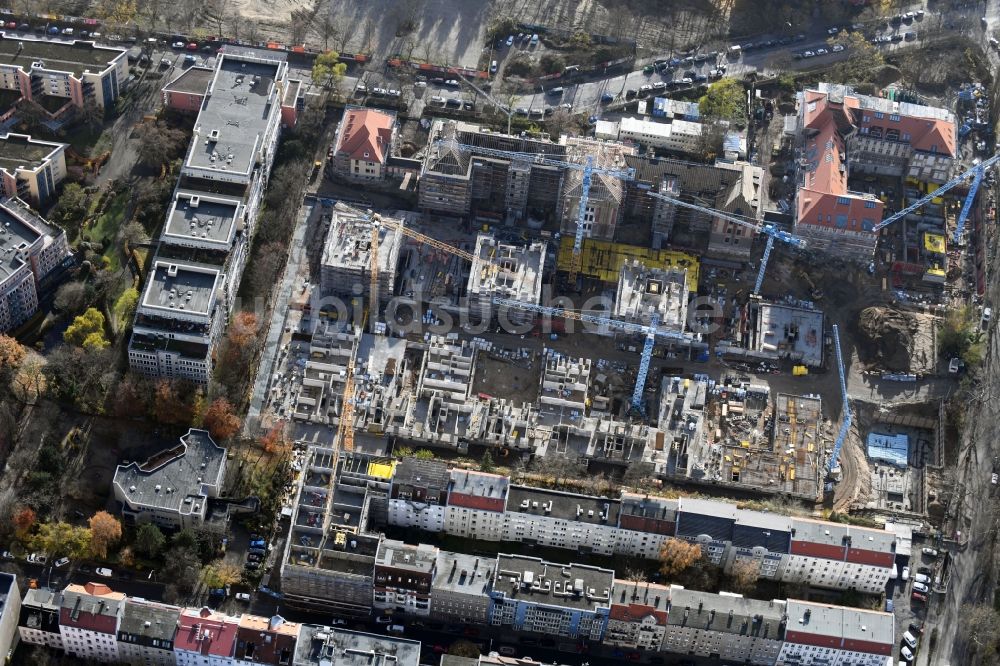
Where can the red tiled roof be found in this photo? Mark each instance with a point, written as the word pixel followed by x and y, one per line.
pixel 636 612
pixel 206 633
pixel 475 502
pixel 365 135
pixel 91 607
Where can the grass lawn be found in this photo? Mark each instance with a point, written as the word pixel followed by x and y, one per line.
pixel 88 141
pixel 107 226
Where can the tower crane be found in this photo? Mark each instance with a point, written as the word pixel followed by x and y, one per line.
pixel 650 331
pixel 772 232
pixel 977 172
pixel 588 169
pixel 848 418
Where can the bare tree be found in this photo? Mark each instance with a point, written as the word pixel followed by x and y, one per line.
pixel 367 34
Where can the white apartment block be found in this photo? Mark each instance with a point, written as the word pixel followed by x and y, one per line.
pixel 32 249
pixel 88 621
pixel 476 504
pixel 822 635
pixel 680 136
pixel 10 611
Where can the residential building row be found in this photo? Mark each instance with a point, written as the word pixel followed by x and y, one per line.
pixel 30 169
pixel 428 495
pixel 196 272
pixel 336 559
pixel 843 133
pixel 32 251
pixel 95 623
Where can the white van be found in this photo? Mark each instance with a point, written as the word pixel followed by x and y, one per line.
pixel 910 640
pixel 395 628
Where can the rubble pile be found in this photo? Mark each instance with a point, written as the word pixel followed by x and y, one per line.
pixel 887 338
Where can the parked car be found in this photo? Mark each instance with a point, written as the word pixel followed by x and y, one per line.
pixel 910 36
pixel 510 41
pixel 177 45
pixel 837 48
pixel 918 596
pixel 193 46
pixel 254 557
pixel 452 83
pixel 252 565
pixel 7 555
pixel 493 67
pixel 832 31
pixel 820 52
pixel 242 596
pixel 921 578
pixel 808 54
pixel 217 592
pixel 917 629
pixel 929 552
pixel 260 543
pixel 906 653
pixel 920 587
pixel 395 629
pixel 37 558
pixel 61 562
pixel 383 619
pixel 630 93
pixel 437 99
pixel 905 575
pixel 910 640
pixel 607 97
pixel 104 571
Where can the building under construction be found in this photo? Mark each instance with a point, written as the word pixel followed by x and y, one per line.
pixel 506 271
pixel 607 193
pixel 643 292
pixel 347 254
pixel 603 260
pixel 457 180
pixel 329 558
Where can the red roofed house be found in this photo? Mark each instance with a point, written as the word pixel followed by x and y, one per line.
pixel 364 142
pixel 88 621
pixel 844 133
pixel 638 615
pixel 205 638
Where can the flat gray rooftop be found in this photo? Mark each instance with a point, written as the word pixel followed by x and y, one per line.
pixel 398 555
pixel 567 506
pixel 237 109
pixel 798 331
pixel 212 220
pixel 458 572
pixel 172 476
pixel 726 613
pixel 193 81
pixel 190 289
pixel 57 55
pixel 150 620
pixel 19 227
pixel 838 621
pixel 20 151
pixel 568 585
pixel 323 646
pixel 479 484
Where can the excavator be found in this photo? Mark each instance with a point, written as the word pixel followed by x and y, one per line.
pixel 814 293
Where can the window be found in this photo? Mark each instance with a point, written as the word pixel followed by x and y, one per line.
pixel 879 115
pixel 894 118
pixel 870 204
pixel 843 201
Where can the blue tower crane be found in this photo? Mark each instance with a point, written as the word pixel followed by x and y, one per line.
pixel 845 424
pixel 977 172
pixel 772 232
pixel 651 331
pixel 588 169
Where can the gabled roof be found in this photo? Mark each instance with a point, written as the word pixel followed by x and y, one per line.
pixel 91 607
pixel 365 134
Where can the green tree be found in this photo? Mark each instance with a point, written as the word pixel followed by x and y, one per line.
pixel 328 71
pixel 486 464
pixel 125 305
pixel 424 454
pixel 149 540
pixel 71 209
pixel 725 100
pixel 863 59
pixel 219 574
pixel 87 331
pixel 59 538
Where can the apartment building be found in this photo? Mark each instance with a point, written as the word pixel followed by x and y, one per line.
pixel 476 504
pixel 727 240
pixel 638 616
pixel 325 646
pixel 364 140
pixel 267 641
pixel 403 575
pixel 173 489
pixel 10 613
pixel 418 494
pixel 88 621
pixel 460 588
pixel 206 239
pixel 822 554
pixel 31 169
pixel 187 91
pixel 205 638
pixel 33 249
pixel 146 633
pixel 823 635
pixel 604 205
pixel 60 76
pixel 38 621
pixel 569 601
pixel 724 626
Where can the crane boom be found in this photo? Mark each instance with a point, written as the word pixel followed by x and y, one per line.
pixel 924 200
pixel 644 360
pixel 967 206
pixel 581 214
pixel 845 425
pixel 763 264
pixel 757 227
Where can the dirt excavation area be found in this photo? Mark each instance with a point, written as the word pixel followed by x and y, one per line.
pixel 895 340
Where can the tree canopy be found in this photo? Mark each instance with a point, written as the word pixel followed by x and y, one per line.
pixel 87 330
pixel 725 100
pixel 327 70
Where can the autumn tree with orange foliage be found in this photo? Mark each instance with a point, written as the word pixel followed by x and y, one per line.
pixel 105 532
pixel 274 441
pixel 744 575
pixel 236 353
pixel 676 555
pixel 24 519
pixel 174 403
pixel 221 421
